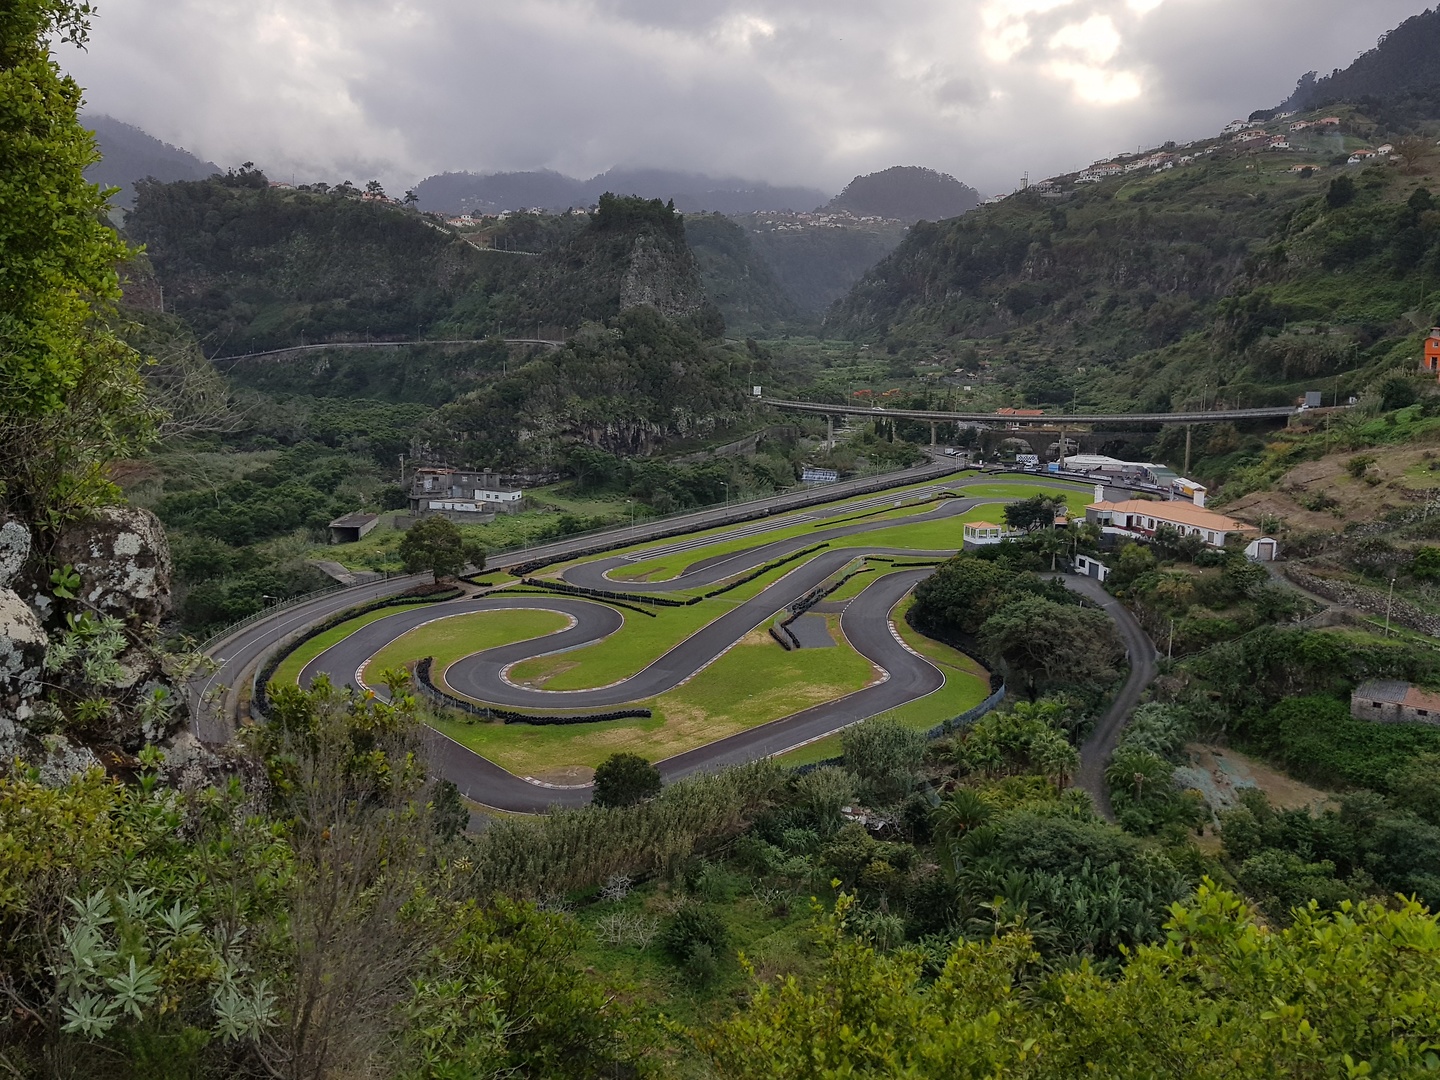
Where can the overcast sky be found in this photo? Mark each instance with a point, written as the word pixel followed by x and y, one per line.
pixel 789 91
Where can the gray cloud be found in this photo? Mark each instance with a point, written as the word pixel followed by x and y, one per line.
pixel 791 91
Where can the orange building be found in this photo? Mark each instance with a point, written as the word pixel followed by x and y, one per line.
pixel 1432 352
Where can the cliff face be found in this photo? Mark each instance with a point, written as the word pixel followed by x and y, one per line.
pixel 82 676
pixel 632 254
pixel 666 280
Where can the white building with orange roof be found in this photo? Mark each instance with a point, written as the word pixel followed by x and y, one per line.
pixel 1139 519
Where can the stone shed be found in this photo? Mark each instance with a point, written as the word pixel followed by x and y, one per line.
pixel 1390 701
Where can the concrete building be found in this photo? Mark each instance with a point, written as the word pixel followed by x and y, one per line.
pixel 811 475
pixel 1390 701
pixel 980 534
pixel 463 495
pixel 1115 470
pixel 1091 567
pixel 351 527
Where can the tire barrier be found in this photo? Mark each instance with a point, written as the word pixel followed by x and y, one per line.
pixel 429 689
pixel 259 695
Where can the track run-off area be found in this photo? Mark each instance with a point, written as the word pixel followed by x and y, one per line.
pixel 691 641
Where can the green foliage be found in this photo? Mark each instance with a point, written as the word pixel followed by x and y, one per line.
pixel 1044 645
pixel 1370 846
pixel 884 756
pixel 1316 738
pixel 72 399
pixel 697 940
pixel 625 779
pixel 1028 737
pixel 435 543
pixel 1036 512
pixel 1335 995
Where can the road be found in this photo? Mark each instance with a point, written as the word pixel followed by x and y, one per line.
pixel 1143 656
pixel 940 416
pixel 906 677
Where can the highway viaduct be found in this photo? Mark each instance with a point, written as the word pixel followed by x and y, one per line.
pixel 1056 421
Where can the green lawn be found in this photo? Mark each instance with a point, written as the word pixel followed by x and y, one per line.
pixel 966 685
pixel 664 567
pixel 755 682
pixel 449 638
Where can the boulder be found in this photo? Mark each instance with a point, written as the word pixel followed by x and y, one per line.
pixel 22 659
pixel 123 560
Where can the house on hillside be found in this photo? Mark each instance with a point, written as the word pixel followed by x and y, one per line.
pixel 1385 150
pixel 1138 519
pixel 1361 156
pixel 1390 701
pixel 980 534
pixel 1301 125
pixel 1430 361
pixel 463 495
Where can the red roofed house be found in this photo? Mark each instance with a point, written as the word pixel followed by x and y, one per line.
pixel 1139 518
pixel 1431 362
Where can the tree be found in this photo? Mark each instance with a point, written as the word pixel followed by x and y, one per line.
pixel 1036 512
pixel 1355 993
pixel 884 755
pixel 374 187
pixel 71 399
pixel 625 779
pixel 435 543
pixel 1042 644
pixel 411 198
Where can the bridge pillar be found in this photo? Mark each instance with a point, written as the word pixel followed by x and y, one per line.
pixel 830 431
pixel 932 432
pixel 1188 428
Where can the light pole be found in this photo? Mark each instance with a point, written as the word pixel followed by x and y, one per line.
pixel 631 504
pixel 726 486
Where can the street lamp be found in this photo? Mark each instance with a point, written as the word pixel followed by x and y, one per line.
pixel 631 504
pixel 726 486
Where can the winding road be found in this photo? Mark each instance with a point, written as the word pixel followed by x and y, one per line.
pixel 903 675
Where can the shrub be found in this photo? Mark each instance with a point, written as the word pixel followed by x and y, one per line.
pixel 625 779
pixel 697 941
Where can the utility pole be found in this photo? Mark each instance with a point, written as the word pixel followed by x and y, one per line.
pixel 1388 601
pixel 402 470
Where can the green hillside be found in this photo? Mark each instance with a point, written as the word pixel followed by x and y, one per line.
pixel 1229 274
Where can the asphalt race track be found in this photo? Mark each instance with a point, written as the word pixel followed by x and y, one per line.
pixel 865 623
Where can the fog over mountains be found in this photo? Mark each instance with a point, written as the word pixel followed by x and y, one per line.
pixel 130 154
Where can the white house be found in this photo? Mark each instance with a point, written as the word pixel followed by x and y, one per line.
pixel 984 533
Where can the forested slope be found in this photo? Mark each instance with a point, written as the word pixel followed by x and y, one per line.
pixel 1240 271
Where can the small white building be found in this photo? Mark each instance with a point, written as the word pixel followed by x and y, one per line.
pixel 980 534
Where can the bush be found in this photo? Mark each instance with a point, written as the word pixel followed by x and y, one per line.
pixel 625 779
pixel 884 755
pixel 697 940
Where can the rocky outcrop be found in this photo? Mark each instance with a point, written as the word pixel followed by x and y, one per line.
pixel 22 639
pixel 123 560
pixel 665 280
pixel 117 565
